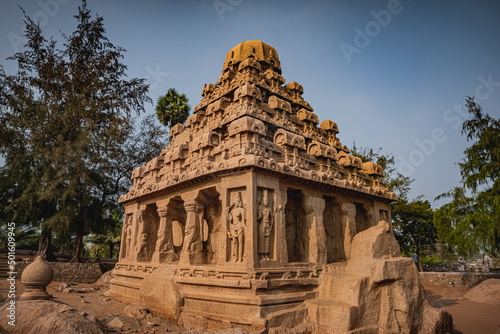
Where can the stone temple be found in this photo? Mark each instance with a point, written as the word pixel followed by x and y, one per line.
pixel 256 216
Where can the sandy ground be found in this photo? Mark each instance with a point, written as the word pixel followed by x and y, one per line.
pixel 101 307
pixel 468 317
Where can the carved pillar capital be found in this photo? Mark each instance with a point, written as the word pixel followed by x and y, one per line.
pixel 190 206
pixel 313 205
pixel 162 211
pixel 349 209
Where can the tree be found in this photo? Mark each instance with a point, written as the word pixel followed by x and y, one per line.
pixel 413 227
pixel 25 239
pixel 172 108
pixel 412 219
pixel 67 132
pixel 471 221
pixel 107 242
pixel 393 180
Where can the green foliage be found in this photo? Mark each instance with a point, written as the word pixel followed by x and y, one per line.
pixel 393 180
pixel 68 131
pixel 107 243
pixel 172 108
pixel 430 260
pixel 413 227
pixel 412 220
pixel 470 223
pixel 25 238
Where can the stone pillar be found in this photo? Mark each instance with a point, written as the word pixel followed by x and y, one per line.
pixel 123 247
pixel 131 254
pixel 138 230
pixel 251 235
pixel 314 208
pixel 280 227
pixel 164 250
pixel 192 250
pixel 349 221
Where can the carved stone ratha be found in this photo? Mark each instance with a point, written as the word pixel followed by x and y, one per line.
pixel 251 212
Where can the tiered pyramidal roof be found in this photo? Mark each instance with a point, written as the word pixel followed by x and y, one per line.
pixel 251 119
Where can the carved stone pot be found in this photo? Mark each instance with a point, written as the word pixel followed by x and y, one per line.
pixel 35 279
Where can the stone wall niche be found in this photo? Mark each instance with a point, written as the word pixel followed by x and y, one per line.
pixel 266 220
pixel 384 215
pixel 126 248
pixel 334 230
pixel 147 226
pixel 363 219
pixel 192 247
pixel 165 248
pixel 236 224
pixel 211 230
pixel 297 234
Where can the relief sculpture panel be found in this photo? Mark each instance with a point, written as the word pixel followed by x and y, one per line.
pixel 266 213
pixel 148 223
pixel 236 225
pixel 127 237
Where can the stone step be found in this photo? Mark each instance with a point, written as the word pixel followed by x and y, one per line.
pixel 332 316
pixel 361 330
pixel 305 327
pixel 368 330
pixel 4 269
pixel 336 267
pixel 343 287
pixel 287 318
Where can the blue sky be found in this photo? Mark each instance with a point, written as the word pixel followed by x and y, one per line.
pixel 391 74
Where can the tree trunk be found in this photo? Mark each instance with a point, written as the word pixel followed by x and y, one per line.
pixel 111 246
pixel 44 246
pixel 78 248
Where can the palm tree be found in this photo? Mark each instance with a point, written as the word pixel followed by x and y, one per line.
pixel 172 108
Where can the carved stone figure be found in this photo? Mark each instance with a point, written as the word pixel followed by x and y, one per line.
pixel 383 215
pixel 128 238
pixel 192 238
pixel 136 239
pixel 237 223
pixel 164 249
pixel 265 225
pixel 160 241
pixel 142 247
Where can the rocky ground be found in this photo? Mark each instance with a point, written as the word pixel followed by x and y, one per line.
pixel 90 301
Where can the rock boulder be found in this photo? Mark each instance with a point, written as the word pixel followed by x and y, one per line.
pixel 41 316
pixel 486 292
